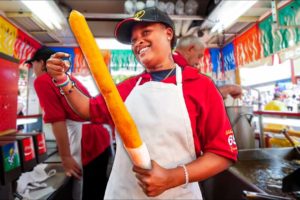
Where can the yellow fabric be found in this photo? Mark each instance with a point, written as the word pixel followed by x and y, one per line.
pixel 275 105
pixel 282 142
pixel 121 117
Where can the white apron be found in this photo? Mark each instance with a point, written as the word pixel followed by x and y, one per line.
pixel 75 134
pixel 161 116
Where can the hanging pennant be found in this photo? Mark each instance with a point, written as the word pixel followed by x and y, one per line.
pixel 290 16
pixel 284 34
pixel 205 63
pixel 247 47
pixel 228 57
pixel 25 46
pixel 215 54
pixel 229 63
pixel 123 59
pixel 80 65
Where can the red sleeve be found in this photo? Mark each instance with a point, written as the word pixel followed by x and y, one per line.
pixel 98 109
pixel 53 110
pixel 216 131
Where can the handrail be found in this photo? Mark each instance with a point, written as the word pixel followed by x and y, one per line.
pixel 278 113
pixel 261 114
pixel 29 116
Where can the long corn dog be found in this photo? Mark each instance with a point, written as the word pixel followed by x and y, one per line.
pixel 119 113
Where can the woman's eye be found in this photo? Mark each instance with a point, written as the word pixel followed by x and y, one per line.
pixel 146 33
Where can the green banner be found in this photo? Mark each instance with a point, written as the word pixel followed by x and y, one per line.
pixel 290 16
pixel 123 59
pixel 266 36
pixel 286 34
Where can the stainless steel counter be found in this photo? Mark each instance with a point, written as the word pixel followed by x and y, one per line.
pixel 257 170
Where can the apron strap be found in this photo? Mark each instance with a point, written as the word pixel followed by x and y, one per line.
pixel 138 82
pixel 178 75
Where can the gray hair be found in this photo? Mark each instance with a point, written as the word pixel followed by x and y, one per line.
pixel 189 40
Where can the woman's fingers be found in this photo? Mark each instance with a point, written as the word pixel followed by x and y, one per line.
pixel 60 55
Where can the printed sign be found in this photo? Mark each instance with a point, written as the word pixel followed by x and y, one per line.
pixel 8 36
pixel 11 156
pixel 41 143
pixel 28 149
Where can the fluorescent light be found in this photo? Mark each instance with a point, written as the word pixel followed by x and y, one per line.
pixel 47 11
pixel 227 12
pixel 111 43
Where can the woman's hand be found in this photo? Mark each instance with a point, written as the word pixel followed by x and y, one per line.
pixel 71 167
pixel 56 66
pixel 154 181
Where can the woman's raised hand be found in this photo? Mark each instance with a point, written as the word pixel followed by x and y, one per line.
pixel 57 66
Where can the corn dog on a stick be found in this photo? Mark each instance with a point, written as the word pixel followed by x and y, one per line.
pixel 123 121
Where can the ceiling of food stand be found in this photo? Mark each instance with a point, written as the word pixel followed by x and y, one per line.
pixel 102 16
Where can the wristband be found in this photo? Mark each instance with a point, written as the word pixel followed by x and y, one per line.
pixel 61 83
pixel 186 175
pixel 69 90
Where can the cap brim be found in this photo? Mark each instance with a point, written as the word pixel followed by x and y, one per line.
pixel 29 61
pixel 123 30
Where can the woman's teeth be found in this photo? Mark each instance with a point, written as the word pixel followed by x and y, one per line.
pixel 143 50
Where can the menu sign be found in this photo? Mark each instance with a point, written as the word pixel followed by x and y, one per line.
pixel 11 156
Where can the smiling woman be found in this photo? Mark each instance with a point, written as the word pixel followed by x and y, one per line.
pixel 179 112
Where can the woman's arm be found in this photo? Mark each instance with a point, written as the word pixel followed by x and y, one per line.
pixel 158 179
pixel 56 68
pixel 60 132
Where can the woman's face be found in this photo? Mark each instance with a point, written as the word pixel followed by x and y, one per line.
pixel 38 67
pixel 151 45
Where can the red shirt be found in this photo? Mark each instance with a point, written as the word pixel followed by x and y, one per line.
pixel 211 127
pixel 95 138
pixel 179 59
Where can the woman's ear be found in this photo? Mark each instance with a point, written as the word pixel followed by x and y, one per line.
pixel 43 63
pixel 170 33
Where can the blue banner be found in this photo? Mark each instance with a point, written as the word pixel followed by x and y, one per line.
pixel 215 55
pixel 69 50
pixel 228 57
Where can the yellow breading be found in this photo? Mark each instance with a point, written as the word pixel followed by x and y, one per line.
pixel 121 117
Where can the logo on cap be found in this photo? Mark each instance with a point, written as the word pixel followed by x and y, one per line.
pixel 138 15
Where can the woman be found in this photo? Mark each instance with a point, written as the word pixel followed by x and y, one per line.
pixel 83 147
pixel 179 114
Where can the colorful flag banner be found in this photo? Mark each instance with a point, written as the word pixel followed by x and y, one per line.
pixel 284 34
pixel 228 57
pixel 25 47
pixel 205 63
pixel 247 47
pixel 217 69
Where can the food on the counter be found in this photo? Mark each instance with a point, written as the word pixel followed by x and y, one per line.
pixel 121 117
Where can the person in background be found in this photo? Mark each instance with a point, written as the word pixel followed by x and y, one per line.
pixel 179 114
pixel 189 50
pixel 20 110
pixel 291 103
pixel 83 147
pixel 276 104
